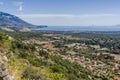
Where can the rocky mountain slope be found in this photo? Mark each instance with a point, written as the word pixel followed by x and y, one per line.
pixel 9 20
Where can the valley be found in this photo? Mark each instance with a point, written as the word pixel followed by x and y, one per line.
pixel 53 55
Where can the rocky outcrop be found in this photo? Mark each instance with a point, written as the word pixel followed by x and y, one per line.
pixel 4 74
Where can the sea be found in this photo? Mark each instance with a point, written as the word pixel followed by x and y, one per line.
pixel 79 28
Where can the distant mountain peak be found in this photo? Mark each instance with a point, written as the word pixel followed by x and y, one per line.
pixel 7 15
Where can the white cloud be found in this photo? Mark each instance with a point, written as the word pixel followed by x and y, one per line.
pixel 45 15
pixel 20 8
pixel 1 3
pixel 65 15
pixel 19 5
pixel 71 19
pixel 98 15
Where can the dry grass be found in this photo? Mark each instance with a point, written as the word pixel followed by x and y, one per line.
pixel 117 57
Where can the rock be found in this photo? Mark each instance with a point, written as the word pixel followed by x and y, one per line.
pixel 2 66
pixel 4 74
pixel 5 59
pixel 8 78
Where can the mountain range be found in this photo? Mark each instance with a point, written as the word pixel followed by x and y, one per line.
pixel 8 20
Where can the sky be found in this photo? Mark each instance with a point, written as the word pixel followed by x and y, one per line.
pixel 65 12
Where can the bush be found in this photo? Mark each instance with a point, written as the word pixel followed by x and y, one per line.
pixel 3 36
pixel 31 73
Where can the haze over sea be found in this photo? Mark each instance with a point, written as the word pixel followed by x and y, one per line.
pixel 79 28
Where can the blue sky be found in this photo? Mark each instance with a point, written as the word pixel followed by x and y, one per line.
pixel 65 12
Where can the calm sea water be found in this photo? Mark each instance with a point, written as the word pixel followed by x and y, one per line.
pixel 78 28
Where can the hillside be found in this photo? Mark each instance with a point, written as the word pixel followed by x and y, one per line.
pixel 42 55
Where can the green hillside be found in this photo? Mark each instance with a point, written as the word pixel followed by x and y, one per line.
pixel 28 61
